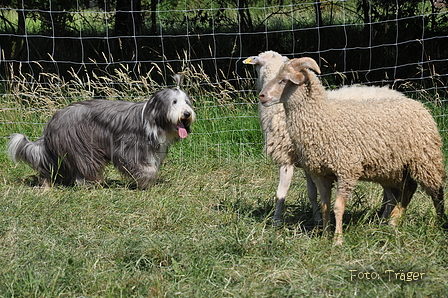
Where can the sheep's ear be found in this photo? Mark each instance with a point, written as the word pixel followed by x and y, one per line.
pixel 178 79
pixel 297 78
pixel 306 62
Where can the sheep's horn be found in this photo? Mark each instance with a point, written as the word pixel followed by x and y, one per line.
pixel 306 62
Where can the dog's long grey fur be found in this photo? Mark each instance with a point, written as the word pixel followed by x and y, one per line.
pixel 79 140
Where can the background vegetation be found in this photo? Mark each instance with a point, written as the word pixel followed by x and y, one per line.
pixel 367 41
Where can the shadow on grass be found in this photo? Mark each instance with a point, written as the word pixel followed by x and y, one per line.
pixel 299 214
pixel 33 181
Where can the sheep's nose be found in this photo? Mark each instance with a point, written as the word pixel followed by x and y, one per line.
pixel 264 100
pixel 187 114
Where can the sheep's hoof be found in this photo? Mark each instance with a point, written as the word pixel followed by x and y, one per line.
pixel 319 223
pixel 277 222
pixel 338 240
pixel 445 226
pixel 393 221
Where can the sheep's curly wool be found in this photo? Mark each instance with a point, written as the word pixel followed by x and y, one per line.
pixel 365 93
pixel 375 140
pixel 278 144
pixel 382 140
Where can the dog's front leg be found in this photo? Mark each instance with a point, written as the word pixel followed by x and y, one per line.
pixel 146 176
pixel 80 180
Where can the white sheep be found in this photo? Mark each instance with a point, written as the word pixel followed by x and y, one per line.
pixel 278 145
pixel 280 149
pixel 380 140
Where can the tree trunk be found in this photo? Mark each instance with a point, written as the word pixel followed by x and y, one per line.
pixel 128 18
pixel 245 18
pixel 128 24
pixel 153 16
pixel 17 43
pixel 317 7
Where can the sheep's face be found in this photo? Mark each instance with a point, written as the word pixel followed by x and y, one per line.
pixel 272 91
pixel 281 85
pixel 292 74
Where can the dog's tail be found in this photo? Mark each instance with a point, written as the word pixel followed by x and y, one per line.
pixel 33 153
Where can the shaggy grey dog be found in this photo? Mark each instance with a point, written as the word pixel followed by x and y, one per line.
pixel 81 139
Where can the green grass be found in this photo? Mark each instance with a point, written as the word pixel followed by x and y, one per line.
pixel 204 230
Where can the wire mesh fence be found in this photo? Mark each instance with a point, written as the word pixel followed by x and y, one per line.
pixel 56 52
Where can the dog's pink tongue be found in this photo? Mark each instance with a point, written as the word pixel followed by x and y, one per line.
pixel 182 131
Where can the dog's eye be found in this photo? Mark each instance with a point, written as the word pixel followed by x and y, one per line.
pixel 174 102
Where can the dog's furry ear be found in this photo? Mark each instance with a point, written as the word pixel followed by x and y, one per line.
pixel 179 79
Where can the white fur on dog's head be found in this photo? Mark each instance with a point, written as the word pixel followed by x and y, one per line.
pixel 171 110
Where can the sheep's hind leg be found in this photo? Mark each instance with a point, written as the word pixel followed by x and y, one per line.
pixel 402 198
pixel 390 201
pixel 437 199
pixel 312 196
pixel 286 172
pixel 324 188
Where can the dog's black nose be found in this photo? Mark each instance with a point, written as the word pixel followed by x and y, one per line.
pixel 187 114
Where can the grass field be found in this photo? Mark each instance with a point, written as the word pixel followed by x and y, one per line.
pixel 204 230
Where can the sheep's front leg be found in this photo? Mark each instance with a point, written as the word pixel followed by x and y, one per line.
pixel 343 192
pixel 286 172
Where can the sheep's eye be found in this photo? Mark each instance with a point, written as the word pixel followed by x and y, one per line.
pixel 174 102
